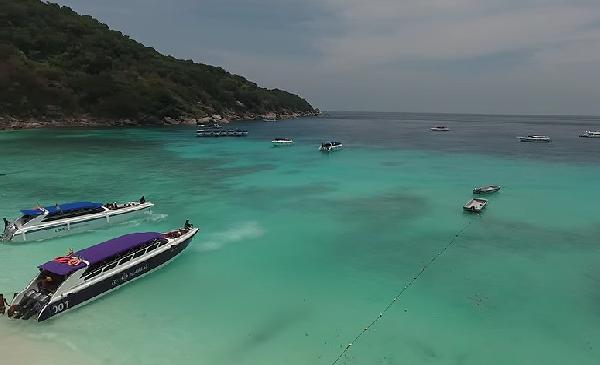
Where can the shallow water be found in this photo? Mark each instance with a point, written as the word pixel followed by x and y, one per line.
pixel 298 250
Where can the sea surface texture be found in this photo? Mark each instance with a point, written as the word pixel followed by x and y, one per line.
pixel 300 250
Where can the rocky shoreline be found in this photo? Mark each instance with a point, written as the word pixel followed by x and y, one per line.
pixel 85 121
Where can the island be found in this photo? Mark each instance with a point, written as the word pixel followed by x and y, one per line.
pixel 62 69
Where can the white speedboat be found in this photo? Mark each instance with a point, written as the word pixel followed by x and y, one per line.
pixel 488 189
pixel 62 219
pixel 475 205
pixel 590 134
pixel 282 142
pixel 534 138
pixel 440 128
pixel 78 278
pixel 330 146
pixel 269 119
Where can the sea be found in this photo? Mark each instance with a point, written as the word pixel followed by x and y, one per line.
pixel 361 256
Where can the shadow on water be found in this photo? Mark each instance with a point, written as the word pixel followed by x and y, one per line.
pixel 263 333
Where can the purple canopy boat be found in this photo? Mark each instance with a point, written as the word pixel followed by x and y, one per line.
pixel 80 277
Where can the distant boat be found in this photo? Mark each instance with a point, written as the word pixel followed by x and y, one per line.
pixel 330 146
pixel 282 142
pixel 488 189
pixel 269 118
pixel 475 205
pixel 590 134
pixel 440 128
pixel 534 138
pixel 215 130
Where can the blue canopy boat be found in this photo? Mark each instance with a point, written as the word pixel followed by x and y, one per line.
pixel 80 277
pixel 61 219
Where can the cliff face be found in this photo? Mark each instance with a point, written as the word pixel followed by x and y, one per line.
pixel 60 68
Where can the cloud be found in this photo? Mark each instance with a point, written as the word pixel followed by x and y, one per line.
pixel 386 31
pixel 497 56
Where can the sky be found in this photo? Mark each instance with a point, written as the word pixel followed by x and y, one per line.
pixel 455 56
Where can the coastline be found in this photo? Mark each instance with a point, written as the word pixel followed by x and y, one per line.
pixel 15 123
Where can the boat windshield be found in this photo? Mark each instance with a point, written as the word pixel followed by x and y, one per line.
pixel 48 282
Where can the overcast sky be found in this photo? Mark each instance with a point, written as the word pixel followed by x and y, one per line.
pixel 475 56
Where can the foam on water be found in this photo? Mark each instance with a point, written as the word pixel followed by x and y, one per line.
pixel 237 233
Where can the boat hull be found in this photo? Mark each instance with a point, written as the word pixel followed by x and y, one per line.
pixel 106 285
pixel 64 229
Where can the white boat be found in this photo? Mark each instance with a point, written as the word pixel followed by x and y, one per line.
pixel 63 219
pixel 78 278
pixel 475 205
pixel 282 142
pixel 590 134
pixel 330 146
pixel 269 119
pixel 440 128
pixel 487 189
pixel 534 138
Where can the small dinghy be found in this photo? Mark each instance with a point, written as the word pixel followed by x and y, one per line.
pixel 282 142
pixel 475 205
pixel 488 189
pixel 534 138
pixel 440 128
pixel 330 146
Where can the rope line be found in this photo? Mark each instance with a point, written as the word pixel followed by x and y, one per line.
pixel 406 286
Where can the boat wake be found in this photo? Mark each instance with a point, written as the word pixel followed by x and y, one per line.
pixel 241 232
pixel 147 217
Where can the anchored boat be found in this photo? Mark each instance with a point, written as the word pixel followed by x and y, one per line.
pixel 330 146
pixel 488 189
pixel 590 134
pixel 62 219
pixel 78 278
pixel 216 130
pixel 475 205
pixel 282 142
pixel 440 128
pixel 534 138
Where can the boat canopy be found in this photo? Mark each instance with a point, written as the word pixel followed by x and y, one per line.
pixel 102 251
pixel 62 208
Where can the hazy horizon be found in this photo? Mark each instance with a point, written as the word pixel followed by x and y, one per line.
pixel 435 56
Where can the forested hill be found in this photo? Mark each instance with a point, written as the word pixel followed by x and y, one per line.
pixel 55 63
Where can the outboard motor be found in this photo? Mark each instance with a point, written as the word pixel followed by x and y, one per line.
pixel 32 304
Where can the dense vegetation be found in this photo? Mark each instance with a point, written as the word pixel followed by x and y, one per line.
pixel 54 62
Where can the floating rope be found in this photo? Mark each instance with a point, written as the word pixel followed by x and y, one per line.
pixel 408 285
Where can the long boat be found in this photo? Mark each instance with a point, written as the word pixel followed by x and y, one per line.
pixel 63 219
pixel 535 138
pixel 590 134
pixel 78 278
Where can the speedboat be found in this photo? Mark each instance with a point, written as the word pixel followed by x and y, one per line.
pixel 80 277
pixel 330 146
pixel 269 119
pixel 534 138
pixel 590 134
pixel 440 128
pixel 62 219
pixel 475 205
pixel 488 189
pixel 282 142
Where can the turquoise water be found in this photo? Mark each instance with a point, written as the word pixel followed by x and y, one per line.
pixel 298 251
